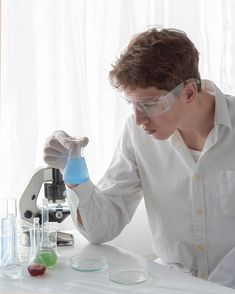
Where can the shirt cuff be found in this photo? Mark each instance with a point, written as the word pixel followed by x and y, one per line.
pixel 80 194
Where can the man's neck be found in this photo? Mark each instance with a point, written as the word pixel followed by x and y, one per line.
pixel 200 122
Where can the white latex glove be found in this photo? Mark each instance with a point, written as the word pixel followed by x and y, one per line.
pixel 56 149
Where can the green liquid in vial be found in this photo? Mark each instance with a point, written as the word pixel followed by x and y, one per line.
pixel 49 257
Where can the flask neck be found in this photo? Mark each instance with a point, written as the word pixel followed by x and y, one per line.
pixel 75 150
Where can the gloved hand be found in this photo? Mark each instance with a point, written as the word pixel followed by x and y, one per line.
pixel 56 149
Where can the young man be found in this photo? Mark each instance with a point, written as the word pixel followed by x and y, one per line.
pixel 175 151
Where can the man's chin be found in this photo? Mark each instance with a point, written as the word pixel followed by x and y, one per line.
pixel 161 137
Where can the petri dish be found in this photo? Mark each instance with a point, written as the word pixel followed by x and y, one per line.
pixel 129 275
pixel 87 263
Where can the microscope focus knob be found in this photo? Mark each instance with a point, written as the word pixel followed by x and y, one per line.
pixel 59 215
pixel 28 214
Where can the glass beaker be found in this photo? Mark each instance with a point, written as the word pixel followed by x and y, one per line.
pixel 47 252
pixel 36 266
pixel 75 171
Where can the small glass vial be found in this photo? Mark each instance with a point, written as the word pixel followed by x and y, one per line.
pixel 75 171
pixel 36 266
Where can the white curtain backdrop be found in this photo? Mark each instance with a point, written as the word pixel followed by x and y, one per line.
pixel 56 55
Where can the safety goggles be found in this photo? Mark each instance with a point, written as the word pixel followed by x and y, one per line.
pixel 155 106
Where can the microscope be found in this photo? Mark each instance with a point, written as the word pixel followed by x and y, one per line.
pixel 54 191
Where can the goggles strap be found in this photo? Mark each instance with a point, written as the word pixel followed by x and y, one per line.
pixel 166 104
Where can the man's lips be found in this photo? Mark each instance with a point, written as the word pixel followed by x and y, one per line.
pixel 148 131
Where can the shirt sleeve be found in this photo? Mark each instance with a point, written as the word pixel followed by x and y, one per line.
pixel 105 209
pixel 223 274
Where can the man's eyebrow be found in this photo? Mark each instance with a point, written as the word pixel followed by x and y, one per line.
pixel 151 99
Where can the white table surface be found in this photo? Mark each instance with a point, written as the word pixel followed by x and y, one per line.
pixel 63 279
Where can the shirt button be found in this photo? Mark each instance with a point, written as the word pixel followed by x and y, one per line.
pixel 196 176
pixel 199 211
pixel 202 275
pixel 200 247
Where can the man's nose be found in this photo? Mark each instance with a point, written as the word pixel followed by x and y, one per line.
pixel 140 117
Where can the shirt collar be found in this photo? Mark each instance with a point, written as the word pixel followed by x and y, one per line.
pixel 222 116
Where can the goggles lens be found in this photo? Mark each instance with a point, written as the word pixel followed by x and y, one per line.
pixel 155 106
pixel 149 108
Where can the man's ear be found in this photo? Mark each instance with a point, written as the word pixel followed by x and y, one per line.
pixel 190 92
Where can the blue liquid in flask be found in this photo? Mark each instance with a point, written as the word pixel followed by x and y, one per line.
pixel 76 171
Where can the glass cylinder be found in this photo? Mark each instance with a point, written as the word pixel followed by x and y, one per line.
pixel 3 231
pixel 11 264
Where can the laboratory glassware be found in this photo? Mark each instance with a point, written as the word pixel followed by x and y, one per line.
pixel 24 240
pixel 88 263
pixel 75 171
pixel 3 231
pixel 11 264
pixel 36 266
pixel 12 206
pixel 47 252
pixel 129 275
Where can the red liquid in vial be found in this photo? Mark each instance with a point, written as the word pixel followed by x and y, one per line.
pixel 36 269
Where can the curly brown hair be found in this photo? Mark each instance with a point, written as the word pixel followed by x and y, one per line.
pixel 161 58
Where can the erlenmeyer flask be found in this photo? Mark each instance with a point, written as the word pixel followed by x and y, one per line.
pixel 75 171
pixel 36 266
pixel 47 251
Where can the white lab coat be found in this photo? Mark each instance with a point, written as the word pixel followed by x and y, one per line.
pixel 190 205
